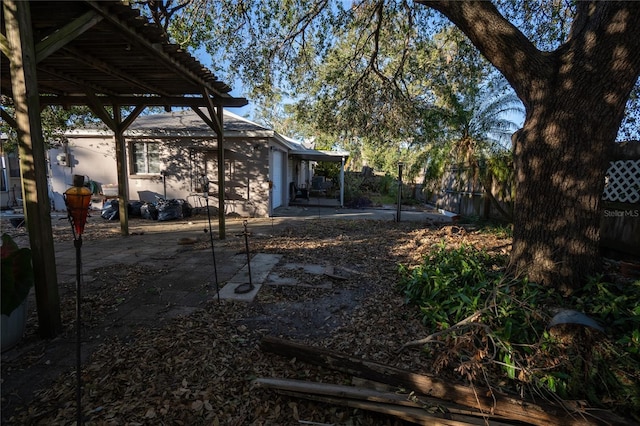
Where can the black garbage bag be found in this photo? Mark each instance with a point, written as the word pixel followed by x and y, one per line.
pixel 110 210
pixel 169 210
pixel 187 210
pixel 135 208
pixel 149 211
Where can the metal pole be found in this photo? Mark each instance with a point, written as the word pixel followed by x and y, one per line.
pixel 205 193
pixel 246 247
pixel 399 191
pixel 213 253
pixel 342 183
pixel 164 184
pixel 245 287
pixel 78 244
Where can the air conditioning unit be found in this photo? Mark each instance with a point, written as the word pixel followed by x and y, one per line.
pixel 63 159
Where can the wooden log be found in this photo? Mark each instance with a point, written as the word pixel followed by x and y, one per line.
pixel 421 411
pixel 487 401
pixel 413 415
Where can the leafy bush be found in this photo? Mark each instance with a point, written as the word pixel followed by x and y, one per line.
pixel 452 285
pixel 489 325
pixel 449 285
pixel 352 186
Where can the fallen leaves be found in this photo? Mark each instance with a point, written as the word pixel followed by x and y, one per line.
pixel 198 370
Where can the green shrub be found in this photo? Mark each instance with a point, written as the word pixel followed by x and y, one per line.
pixel 352 186
pixel 451 284
pixel 487 323
pixel 386 183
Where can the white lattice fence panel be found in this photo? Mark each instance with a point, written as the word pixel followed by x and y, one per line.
pixel 623 182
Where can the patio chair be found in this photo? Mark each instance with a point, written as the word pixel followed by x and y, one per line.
pixel 297 192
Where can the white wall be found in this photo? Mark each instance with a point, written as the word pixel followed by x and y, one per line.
pixel 94 157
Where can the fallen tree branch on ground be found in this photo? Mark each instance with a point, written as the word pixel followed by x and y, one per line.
pixel 423 410
pixel 487 401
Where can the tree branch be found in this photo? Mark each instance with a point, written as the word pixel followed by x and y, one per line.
pixel 371 65
pixel 506 47
pixel 465 322
pixel 301 24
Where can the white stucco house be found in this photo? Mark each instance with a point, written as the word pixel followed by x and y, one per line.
pixel 10 182
pixel 169 153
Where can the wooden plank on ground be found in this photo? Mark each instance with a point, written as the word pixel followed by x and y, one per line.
pixel 398 405
pixel 488 402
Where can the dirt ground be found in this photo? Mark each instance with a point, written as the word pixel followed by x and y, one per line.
pixel 198 368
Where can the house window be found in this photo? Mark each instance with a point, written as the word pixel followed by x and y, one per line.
pixel 146 158
pixel 230 168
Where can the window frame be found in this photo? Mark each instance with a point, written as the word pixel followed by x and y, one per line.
pixel 148 161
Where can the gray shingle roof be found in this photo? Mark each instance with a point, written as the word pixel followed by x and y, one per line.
pixel 187 121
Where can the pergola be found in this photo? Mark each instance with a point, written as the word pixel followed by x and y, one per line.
pixel 102 54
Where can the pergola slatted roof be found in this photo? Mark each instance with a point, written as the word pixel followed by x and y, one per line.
pixel 95 53
pixel 109 49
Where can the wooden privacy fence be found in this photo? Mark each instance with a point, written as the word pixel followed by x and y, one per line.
pixel 620 226
pixel 623 182
pixel 464 194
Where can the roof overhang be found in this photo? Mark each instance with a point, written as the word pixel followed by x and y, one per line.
pixel 320 155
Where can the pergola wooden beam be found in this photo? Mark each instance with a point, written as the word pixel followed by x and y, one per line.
pixel 112 71
pixel 146 44
pixel 33 163
pixel 62 36
pixel 97 54
pixel 160 101
pixel 8 118
pixel 59 75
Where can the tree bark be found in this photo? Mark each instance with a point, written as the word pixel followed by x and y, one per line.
pixel 574 99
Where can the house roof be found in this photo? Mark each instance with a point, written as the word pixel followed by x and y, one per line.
pixel 106 52
pixel 321 155
pixel 300 151
pixel 186 123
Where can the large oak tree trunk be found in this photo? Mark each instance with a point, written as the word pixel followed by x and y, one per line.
pixel 574 109
pixel 560 159
pixel 575 98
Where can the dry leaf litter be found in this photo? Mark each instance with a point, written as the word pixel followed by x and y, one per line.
pixel 198 369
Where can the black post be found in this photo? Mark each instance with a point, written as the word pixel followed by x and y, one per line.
pixel 399 191
pixel 78 198
pixel 213 253
pixel 164 183
pixel 246 247
pixel 205 193
pixel 78 244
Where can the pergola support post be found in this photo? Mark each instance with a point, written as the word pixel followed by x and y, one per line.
pixel 216 122
pixel 118 126
pixel 123 183
pixel 33 164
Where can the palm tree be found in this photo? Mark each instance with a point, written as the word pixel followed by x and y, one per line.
pixel 479 125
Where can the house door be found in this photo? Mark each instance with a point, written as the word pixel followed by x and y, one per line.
pixel 277 177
